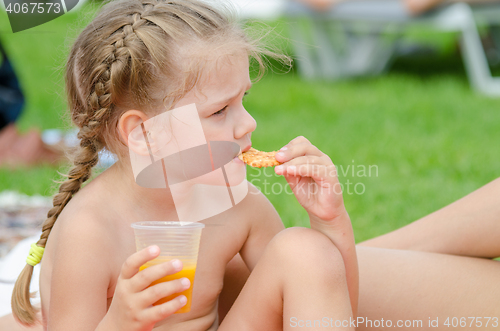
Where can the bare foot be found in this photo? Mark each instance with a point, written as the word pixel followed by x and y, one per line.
pixel 416 7
pixel 27 150
pixel 7 137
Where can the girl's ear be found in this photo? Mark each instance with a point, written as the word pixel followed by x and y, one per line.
pixel 130 120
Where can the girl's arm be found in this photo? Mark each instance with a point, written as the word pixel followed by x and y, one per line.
pixel 340 232
pixel 469 226
pixel 235 277
pixel 263 224
pixel 82 271
pixel 313 179
pixel 80 275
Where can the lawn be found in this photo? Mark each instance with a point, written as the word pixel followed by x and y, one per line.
pixel 406 143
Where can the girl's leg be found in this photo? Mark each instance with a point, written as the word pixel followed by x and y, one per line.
pixel 299 281
pixel 402 285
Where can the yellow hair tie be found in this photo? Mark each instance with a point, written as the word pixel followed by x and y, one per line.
pixel 35 255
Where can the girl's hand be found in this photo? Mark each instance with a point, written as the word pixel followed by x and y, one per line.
pixel 131 308
pixel 312 177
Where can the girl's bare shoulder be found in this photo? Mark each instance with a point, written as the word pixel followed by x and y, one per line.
pixel 87 217
pixel 256 200
pixel 256 208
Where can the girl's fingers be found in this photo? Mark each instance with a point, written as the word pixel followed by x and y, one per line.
pixel 298 140
pixel 309 159
pixel 145 277
pixel 160 312
pixel 323 160
pixel 164 289
pixel 320 173
pixel 290 152
pixel 293 181
pixel 131 266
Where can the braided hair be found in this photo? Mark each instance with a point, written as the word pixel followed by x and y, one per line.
pixel 133 54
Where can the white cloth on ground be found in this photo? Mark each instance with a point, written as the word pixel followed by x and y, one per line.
pixel 10 267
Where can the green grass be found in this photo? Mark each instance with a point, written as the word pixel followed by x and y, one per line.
pixel 39 56
pixel 431 139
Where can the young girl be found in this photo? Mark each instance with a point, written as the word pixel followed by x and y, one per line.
pixel 137 59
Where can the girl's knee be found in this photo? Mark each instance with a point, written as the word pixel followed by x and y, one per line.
pixel 308 249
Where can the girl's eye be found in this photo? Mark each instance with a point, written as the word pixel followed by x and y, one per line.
pixel 220 112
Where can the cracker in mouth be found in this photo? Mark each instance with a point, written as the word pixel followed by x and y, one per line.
pixel 258 159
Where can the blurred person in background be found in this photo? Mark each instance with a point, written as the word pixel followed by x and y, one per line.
pixel 17 149
pixel 415 7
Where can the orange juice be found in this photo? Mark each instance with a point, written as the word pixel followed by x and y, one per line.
pixel 188 272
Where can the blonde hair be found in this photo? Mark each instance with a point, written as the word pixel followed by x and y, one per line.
pixel 133 53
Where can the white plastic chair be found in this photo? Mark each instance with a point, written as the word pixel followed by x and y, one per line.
pixel 371 52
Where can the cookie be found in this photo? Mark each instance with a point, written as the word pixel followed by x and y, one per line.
pixel 258 159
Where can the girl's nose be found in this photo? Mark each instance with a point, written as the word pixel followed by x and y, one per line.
pixel 246 124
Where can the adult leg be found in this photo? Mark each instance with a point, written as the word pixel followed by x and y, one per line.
pixel 300 278
pixel 469 226
pixel 402 285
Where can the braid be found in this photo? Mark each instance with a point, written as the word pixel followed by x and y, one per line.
pixel 87 155
pixel 85 159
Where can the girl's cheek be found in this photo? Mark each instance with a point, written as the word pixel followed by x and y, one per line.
pixel 213 132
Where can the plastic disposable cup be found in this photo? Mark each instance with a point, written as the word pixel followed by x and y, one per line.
pixel 176 241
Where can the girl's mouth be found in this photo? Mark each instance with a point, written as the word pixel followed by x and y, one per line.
pixel 237 160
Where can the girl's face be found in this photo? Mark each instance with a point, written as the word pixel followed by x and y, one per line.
pixel 219 100
pixel 218 97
